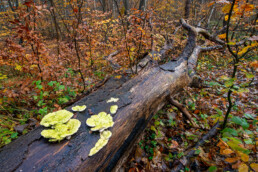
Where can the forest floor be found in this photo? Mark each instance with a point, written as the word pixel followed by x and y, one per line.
pixel 170 135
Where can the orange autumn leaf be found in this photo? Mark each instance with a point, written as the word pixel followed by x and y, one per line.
pixel 173 145
pixel 226 8
pixel 248 7
pixel 222 144
pixel 210 4
pixel 254 166
pixel 226 18
pixel 227 152
pixel 196 111
pixel 118 76
pixel 222 36
pixel 254 64
pixel 243 168
pixel 232 160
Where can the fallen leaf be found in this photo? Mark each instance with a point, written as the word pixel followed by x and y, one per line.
pixel 232 160
pixel 243 168
pixel 227 152
pixel 254 166
pixel 173 145
pixel 244 157
pixel 139 153
pixel 222 36
pixel 222 144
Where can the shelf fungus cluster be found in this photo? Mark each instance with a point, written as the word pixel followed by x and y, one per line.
pixel 100 123
pixel 62 126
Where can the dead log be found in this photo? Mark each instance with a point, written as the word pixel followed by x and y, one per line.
pixel 139 99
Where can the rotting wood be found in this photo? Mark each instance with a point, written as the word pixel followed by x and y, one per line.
pixel 139 98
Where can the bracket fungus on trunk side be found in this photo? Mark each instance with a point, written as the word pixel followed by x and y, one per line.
pixel 61 116
pixel 62 125
pixel 79 108
pixel 100 122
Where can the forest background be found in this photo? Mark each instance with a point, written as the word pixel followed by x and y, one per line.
pixel 54 52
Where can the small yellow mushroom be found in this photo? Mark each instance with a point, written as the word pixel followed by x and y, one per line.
pixel 113 109
pixel 112 99
pixel 61 116
pixel 79 108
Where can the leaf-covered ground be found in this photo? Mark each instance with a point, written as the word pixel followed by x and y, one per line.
pixel 170 135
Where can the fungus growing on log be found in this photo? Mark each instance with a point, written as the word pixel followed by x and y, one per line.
pixel 79 108
pixel 100 122
pixel 99 145
pixel 112 99
pixel 61 131
pixel 58 117
pixel 104 137
pixel 105 134
pixel 113 109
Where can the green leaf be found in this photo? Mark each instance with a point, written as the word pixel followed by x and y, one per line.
pixel 248 116
pixel 243 90
pixel 229 83
pixel 197 152
pixel 156 123
pixel 153 128
pixel 61 87
pixel 14 135
pixel 51 83
pixel 39 87
pixel 63 100
pixel 212 83
pixel 38 82
pixel 43 111
pixel 249 75
pixel 230 131
pixel 219 111
pixel 240 121
pixel 212 168
pixel 248 141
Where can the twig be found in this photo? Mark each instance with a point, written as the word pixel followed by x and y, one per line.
pixel 182 108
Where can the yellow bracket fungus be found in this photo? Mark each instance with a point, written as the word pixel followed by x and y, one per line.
pixel 79 108
pixel 99 145
pixel 104 137
pixel 112 99
pixel 100 122
pixel 113 109
pixel 61 116
pixel 105 134
pixel 62 131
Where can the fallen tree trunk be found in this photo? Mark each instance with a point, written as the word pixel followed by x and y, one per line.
pixel 139 99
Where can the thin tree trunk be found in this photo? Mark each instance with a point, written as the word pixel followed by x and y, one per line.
pixel 187 8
